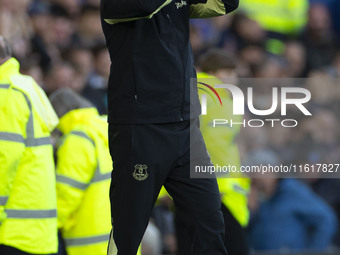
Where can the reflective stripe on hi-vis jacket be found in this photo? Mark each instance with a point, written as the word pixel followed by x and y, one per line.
pixel 83 180
pixel 98 177
pixel 30 140
pixel 28 214
pixel 86 240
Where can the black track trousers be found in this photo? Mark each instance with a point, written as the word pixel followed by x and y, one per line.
pixel 235 236
pixel 147 156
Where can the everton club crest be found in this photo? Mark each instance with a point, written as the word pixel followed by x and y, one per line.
pixel 140 173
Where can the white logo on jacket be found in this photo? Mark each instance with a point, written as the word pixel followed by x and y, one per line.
pixel 181 4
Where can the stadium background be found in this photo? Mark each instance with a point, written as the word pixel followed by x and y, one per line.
pixel 60 44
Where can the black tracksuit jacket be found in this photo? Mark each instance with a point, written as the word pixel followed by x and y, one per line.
pixel 152 61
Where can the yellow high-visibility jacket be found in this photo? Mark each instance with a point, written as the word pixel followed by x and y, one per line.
pixel 282 16
pixel 28 216
pixel 223 151
pixel 83 178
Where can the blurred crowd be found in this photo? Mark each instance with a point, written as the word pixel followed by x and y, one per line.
pixel 61 45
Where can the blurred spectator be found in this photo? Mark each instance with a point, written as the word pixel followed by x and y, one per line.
pixel 16 26
pixel 325 188
pixel 252 139
pixel 247 31
pixel 290 217
pixel 218 63
pixel 81 58
pixel 321 141
pixel 271 67
pixel 197 41
pixel 323 88
pixel 89 32
pixel 60 76
pixel 319 39
pixel 334 8
pixel 62 26
pixel 295 55
pixel 96 87
pixel 72 6
pixel 83 175
pixel 281 143
pixel 43 36
pixel 92 68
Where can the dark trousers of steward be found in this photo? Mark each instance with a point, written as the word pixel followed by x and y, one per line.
pixel 147 156
pixel 8 250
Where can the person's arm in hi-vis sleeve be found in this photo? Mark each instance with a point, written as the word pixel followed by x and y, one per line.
pixel 75 169
pixel 11 140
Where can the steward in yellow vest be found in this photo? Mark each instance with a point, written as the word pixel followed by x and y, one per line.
pixel 83 175
pixel 28 216
pixel 283 19
pixel 220 142
pixel 286 17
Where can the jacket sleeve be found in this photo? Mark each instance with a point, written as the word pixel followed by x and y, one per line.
pixel 115 11
pixel 212 8
pixel 75 168
pixel 12 145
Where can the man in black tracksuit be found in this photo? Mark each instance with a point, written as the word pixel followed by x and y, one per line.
pixel 153 119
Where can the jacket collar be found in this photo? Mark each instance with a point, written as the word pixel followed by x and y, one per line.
pixel 86 116
pixel 9 68
pixel 75 117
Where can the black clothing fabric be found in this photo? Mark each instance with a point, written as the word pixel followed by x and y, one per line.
pixel 235 235
pixel 153 110
pixel 146 157
pixel 152 62
pixel 8 250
